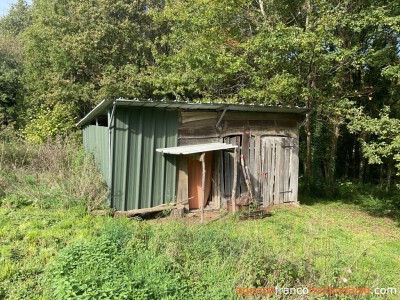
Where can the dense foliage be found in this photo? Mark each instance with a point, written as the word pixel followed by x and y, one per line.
pixel 341 58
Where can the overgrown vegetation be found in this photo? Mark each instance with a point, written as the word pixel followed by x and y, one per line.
pixel 51 248
pixel 49 175
pixel 341 58
pixel 59 58
pixel 61 254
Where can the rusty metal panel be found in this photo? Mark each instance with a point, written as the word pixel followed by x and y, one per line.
pixel 142 177
pixel 95 141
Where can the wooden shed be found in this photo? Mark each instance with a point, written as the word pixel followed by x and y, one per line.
pixel 197 154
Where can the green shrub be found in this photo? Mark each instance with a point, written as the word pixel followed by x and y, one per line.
pixel 372 199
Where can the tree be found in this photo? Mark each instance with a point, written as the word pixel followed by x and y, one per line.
pixel 82 52
pixel 12 27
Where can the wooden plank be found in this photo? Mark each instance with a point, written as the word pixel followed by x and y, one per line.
pixel 282 123
pixel 134 212
pixel 277 185
pixel 203 184
pixel 246 143
pixel 246 177
pixel 271 170
pixel 198 132
pixel 288 162
pixel 222 179
pixel 294 170
pixel 261 176
pixel 287 124
pixel 191 116
pixel 258 158
pixel 229 115
pixel 216 196
pixel 197 141
pixel 250 165
pixel 182 193
pixel 288 150
pixel 235 173
pixel 241 188
pixel 199 123
pixel 271 180
pixel 228 174
pixel 283 171
pixel 290 132
pixel 267 171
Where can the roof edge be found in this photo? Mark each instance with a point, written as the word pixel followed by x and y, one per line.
pixel 101 107
pixel 262 108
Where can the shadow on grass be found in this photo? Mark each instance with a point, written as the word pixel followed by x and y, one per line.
pixel 371 199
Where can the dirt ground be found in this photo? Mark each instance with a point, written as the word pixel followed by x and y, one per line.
pixel 194 217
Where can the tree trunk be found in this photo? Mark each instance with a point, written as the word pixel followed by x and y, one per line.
pixel 363 136
pixel 389 174
pixel 353 161
pixel 381 173
pixel 332 158
pixel 308 164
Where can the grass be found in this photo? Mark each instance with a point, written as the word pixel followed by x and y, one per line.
pixel 315 245
pixel 30 238
pixel 52 248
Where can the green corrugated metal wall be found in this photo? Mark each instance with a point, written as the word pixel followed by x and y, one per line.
pixel 141 176
pixel 95 141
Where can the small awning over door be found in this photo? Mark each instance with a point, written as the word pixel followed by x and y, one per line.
pixel 198 170
pixel 192 149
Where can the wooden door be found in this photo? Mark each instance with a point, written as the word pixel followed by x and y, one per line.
pixel 279 170
pixel 195 178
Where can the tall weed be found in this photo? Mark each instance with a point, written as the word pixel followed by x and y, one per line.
pixel 53 174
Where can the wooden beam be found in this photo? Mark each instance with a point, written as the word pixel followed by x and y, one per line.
pixel 216 196
pixel 203 184
pixel 246 143
pixel 182 194
pixel 193 116
pixel 246 177
pixel 134 212
pixel 234 184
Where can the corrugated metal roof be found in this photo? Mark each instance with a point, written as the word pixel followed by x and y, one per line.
pixel 105 104
pixel 191 149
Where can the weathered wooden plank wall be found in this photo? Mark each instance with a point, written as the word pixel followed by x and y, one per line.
pixel 279 184
pixel 268 143
pixel 199 127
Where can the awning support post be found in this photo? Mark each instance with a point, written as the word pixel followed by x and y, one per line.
pixel 235 175
pixel 203 183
